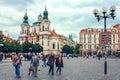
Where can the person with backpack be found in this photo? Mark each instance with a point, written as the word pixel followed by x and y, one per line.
pixel 35 64
pixel 50 63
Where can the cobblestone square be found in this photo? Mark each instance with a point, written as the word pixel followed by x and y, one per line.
pixel 74 69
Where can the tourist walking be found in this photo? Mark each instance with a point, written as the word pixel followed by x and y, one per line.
pixel 44 60
pixel 99 55
pixel 34 64
pixel 50 62
pixel 17 63
pixel 59 63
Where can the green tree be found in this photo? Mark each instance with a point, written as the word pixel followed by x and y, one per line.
pixel 1 44
pixel 37 48
pixel 16 47
pixel 66 49
pixel 76 49
pixel 71 49
pixel 27 47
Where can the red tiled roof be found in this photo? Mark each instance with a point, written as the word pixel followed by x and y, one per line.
pixel 116 26
pixel 53 33
pixel 5 37
pixel 83 30
pixel 8 38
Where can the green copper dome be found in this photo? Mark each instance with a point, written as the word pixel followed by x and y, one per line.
pixel 25 18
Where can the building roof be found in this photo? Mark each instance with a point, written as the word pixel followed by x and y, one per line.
pixel 92 30
pixel 53 33
pixel 83 30
pixel 37 22
pixel 116 26
pixel 7 38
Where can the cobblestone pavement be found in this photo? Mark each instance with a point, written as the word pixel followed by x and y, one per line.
pixel 74 69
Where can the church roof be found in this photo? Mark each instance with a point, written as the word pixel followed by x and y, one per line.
pixel 53 33
pixel 37 22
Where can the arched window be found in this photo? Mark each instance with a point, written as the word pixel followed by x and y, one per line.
pixel 43 28
pixel 53 46
pixel 42 43
pixel 40 28
pixel 58 46
pixel 48 43
pixel 34 30
pixel 25 31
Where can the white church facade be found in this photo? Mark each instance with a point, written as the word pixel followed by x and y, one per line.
pixel 41 33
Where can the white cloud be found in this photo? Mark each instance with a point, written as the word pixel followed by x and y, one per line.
pixel 68 15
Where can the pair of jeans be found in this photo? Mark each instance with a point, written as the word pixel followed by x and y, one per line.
pixel 59 68
pixel 17 70
pixel 34 70
pixel 51 69
pixel 44 63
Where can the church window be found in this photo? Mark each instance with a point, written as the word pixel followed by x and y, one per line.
pixel 43 28
pixel 53 46
pixel 34 30
pixel 40 29
pixel 58 46
pixel 48 43
pixel 42 43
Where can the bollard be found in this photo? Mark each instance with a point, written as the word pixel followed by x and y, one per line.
pixel 105 67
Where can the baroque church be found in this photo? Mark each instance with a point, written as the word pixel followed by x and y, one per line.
pixel 41 33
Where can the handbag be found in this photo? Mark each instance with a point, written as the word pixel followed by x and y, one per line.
pixel 48 63
pixel 39 68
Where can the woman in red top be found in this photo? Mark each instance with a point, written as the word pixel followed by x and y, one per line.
pixel 59 63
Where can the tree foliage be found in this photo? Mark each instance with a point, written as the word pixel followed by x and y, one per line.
pixel 37 48
pixel 9 47
pixel 26 47
pixel 66 49
pixel 29 47
pixel 76 49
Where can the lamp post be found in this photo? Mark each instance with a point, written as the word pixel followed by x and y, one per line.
pixel 104 16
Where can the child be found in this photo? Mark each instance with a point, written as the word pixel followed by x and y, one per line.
pixel 30 69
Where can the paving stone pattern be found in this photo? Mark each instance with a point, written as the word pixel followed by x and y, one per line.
pixel 74 69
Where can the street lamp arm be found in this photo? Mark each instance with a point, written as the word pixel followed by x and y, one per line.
pixel 110 17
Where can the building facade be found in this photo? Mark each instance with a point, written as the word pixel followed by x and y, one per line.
pixel 90 40
pixel 6 38
pixel 41 33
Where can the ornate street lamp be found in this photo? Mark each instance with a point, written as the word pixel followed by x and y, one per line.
pixel 104 16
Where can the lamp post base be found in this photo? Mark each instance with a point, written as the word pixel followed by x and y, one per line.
pixel 105 67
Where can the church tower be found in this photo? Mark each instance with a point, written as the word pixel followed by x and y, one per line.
pixel 25 27
pixel 46 21
pixel 40 18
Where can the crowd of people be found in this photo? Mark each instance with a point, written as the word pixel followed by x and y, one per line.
pixel 48 60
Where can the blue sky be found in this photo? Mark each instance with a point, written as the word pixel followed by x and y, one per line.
pixel 66 16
